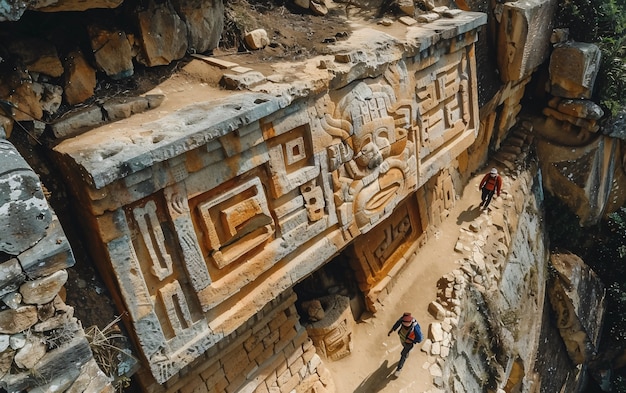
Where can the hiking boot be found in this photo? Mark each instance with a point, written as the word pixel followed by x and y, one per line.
pixel 397 373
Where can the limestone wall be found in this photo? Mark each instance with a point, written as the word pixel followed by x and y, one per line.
pixel 202 217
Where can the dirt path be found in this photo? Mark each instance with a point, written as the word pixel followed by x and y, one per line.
pixel 371 365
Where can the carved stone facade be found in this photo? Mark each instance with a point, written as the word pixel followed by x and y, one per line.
pixel 203 217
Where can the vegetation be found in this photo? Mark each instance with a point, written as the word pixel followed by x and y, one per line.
pixel 109 351
pixel 602 22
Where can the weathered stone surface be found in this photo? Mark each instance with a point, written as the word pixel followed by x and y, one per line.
pixel 18 89
pixel 332 335
pixel 428 17
pixel 579 300
pixel 37 54
pixel 318 8
pixel 573 69
pixel 257 39
pixel 523 37
pixel 303 3
pixel 616 126
pixel 13 300
pixel 406 6
pixel 91 380
pixel 12 11
pixel 163 35
pixel 11 276
pixel 15 321
pixel 112 51
pixel 584 124
pixel 6 359
pixel 78 122
pixel 44 289
pixel 584 109
pixel 581 176
pixel 122 108
pixel 242 81
pixel 25 211
pixel 65 360
pixel 27 356
pixel 274 186
pixel 72 5
pixel 204 21
pixel 50 254
pixel 4 342
pixel 80 78
pixel 436 310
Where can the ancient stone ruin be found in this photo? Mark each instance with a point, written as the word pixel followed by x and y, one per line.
pixel 208 208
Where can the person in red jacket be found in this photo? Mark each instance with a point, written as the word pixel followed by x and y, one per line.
pixel 489 185
pixel 409 333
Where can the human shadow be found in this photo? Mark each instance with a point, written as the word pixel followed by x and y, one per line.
pixel 377 380
pixel 468 215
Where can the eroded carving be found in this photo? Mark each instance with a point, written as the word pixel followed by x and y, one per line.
pixel 235 222
pixel 154 240
pixel 443 103
pixel 173 302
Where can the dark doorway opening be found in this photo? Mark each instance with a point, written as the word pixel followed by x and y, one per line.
pixel 336 277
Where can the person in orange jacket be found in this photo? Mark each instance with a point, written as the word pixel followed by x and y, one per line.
pixel 489 185
pixel 410 334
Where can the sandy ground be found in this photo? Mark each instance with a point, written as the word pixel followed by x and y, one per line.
pixel 371 365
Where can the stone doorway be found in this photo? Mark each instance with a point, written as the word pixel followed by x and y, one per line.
pixel 329 303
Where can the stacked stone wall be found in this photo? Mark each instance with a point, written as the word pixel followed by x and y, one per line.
pixel 269 353
pixel 41 342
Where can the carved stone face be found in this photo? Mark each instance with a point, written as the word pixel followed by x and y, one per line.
pixel 373 142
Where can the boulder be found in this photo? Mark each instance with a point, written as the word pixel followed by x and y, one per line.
pixel 573 69
pixel 80 78
pixel 112 51
pixel 578 298
pixel 204 21
pixel 257 39
pixel 37 54
pixel 163 35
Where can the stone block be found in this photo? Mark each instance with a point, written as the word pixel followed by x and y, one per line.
pixel 257 39
pixel 271 339
pixel 66 359
pixel 11 276
pixel 43 290
pixel 80 79
pixel 164 35
pixel 21 194
pixel 573 69
pixel 112 51
pixel 523 37
pixel 77 122
pixel 18 320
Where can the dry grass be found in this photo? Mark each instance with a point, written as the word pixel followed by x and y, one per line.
pixel 109 351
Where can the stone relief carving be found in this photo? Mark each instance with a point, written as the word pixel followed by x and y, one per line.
pixel 373 154
pixel 235 222
pixel 154 240
pixel 238 211
pixel 443 102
